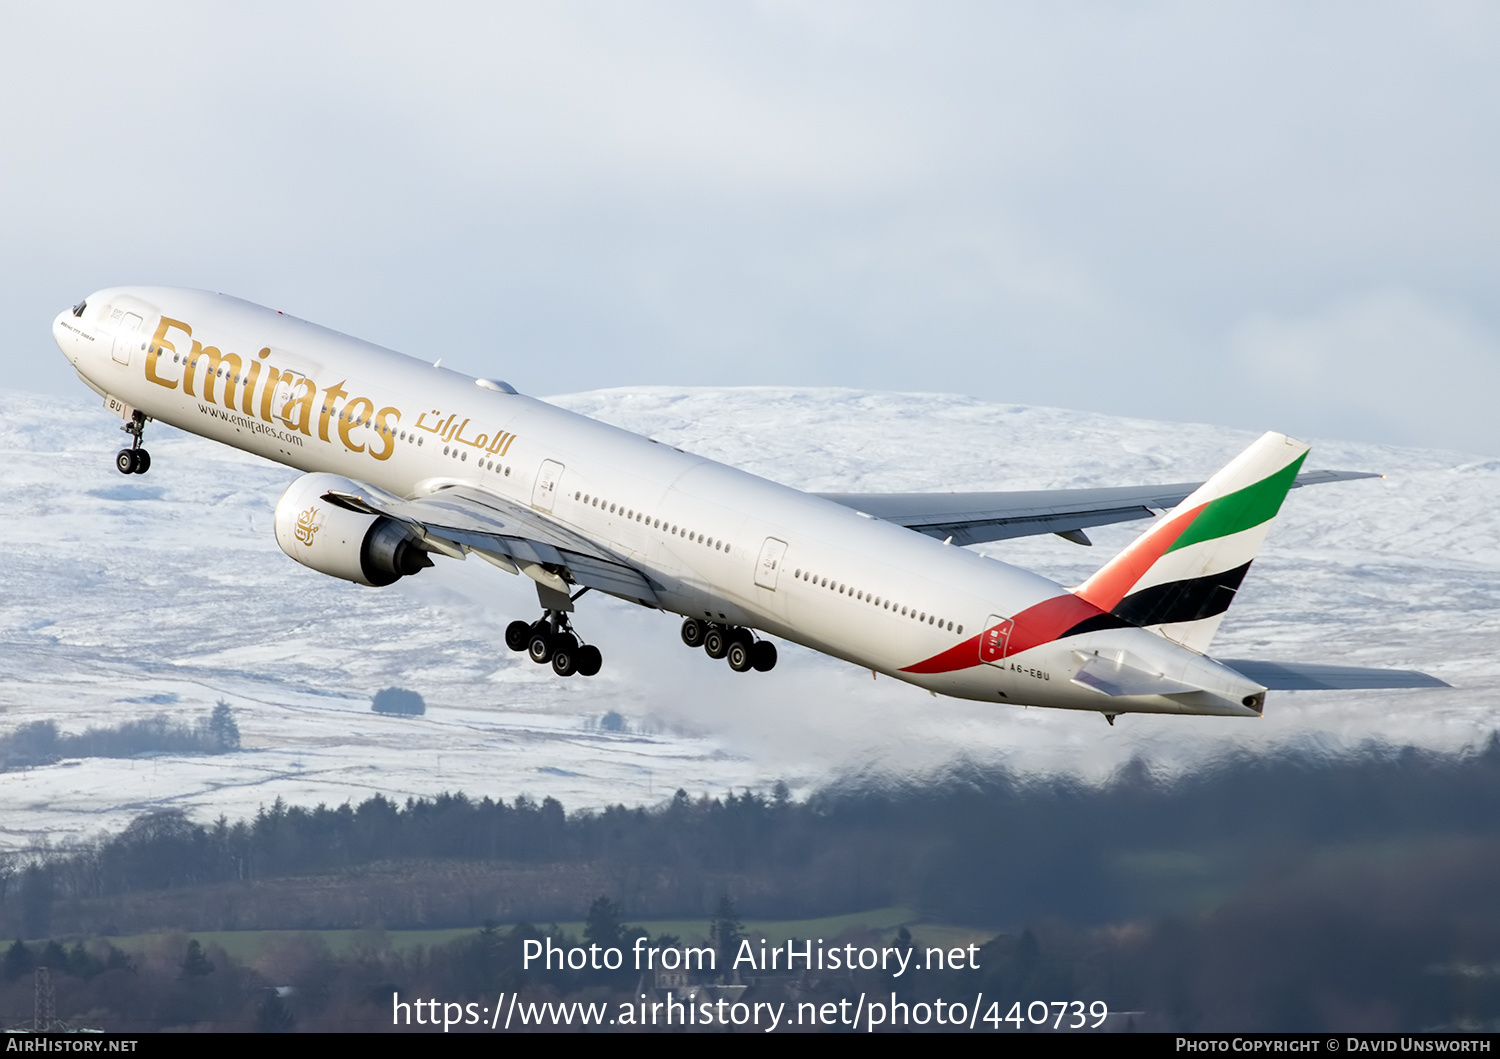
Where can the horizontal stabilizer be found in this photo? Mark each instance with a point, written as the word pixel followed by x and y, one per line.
pixel 1305 676
pixel 1109 677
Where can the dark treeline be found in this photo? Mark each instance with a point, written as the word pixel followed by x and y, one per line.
pixel 1275 966
pixel 981 848
pixel 298 983
pixel 1290 892
pixel 41 743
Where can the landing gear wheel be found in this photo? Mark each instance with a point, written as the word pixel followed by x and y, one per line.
pixel 517 635
pixel 763 656
pixel 739 656
pixel 693 632
pixel 552 639
pixel 716 642
pixel 134 460
pixel 539 647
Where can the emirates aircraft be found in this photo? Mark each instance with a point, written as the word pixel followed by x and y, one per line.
pixel 406 460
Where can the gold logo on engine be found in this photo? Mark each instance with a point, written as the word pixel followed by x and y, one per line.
pixel 305 527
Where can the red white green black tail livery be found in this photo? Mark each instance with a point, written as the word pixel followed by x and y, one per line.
pixel 1179 577
pixel 1133 637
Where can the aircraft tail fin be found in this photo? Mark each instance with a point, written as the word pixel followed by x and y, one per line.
pixel 1179 577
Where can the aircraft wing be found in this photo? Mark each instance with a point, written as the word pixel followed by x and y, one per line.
pixel 510 535
pixel 973 518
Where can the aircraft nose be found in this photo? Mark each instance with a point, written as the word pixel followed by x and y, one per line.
pixel 65 331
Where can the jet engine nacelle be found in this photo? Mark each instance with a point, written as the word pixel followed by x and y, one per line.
pixel 366 549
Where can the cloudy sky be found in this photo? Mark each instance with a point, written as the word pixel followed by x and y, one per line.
pixel 1267 216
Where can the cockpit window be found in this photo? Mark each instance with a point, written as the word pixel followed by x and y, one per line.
pixel 78 309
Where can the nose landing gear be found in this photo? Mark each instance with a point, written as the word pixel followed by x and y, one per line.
pixel 134 460
pixel 743 651
pixel 551 639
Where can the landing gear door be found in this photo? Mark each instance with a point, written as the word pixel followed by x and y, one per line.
pixel 768 566
pixel 994 642
pixel 545 491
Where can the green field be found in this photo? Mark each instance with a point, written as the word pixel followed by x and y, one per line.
pixel 247 945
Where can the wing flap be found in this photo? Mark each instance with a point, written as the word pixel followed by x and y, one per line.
pixel 472 518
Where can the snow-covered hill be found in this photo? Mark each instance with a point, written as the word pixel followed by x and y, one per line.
pixel 126 597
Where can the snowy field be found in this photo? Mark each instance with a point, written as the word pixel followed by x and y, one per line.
pixel 128 597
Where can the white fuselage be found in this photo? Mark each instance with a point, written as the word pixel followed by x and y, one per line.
pixel 895 601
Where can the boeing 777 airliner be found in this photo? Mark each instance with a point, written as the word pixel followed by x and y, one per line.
pixel 405 460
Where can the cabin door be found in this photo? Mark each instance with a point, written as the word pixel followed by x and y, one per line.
pixel 127 335
pixel 994 642
pixel 545 491
pixel 768 566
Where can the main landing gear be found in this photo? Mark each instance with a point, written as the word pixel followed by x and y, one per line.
pixel 134 460
pixel 739 646
pixel 551 639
